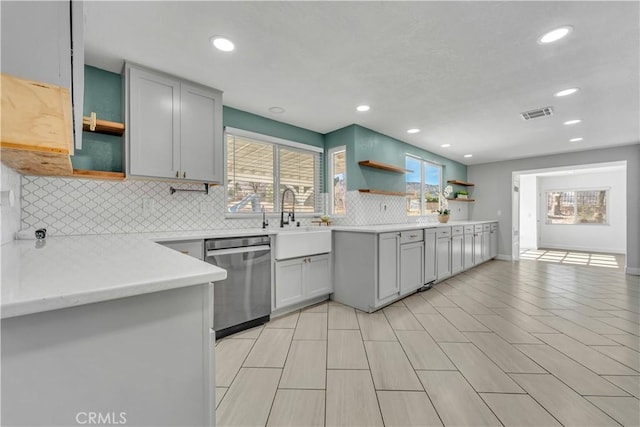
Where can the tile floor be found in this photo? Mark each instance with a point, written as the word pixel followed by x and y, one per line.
pixel 526 344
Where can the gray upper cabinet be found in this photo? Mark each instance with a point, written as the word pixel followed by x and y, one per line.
pixel 174 127
pixel 43 41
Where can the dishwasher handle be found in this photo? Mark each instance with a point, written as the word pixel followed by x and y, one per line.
pixel 217 252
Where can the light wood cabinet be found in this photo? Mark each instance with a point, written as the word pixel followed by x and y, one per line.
pixel 174 127
pixel 301 279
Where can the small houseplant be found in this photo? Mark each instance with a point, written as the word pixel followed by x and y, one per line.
pixel 462 194
pixel 443 212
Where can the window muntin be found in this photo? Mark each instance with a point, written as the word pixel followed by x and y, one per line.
pixel 338 181
pixel 577 206
pixel 255 167
pixel 422 186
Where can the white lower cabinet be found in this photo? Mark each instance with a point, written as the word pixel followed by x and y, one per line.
pixel 493 236
pixel 411 261
pixel 477 245
pixel 388 265
pixel 430 258
pixel 457 253
pixel 300 279
pixel 468 246
pixel 443 251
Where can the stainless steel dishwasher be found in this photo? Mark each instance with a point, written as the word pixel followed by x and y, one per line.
pixel 243 299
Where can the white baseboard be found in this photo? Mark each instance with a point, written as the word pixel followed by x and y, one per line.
pixel 633 271
pixel 582 248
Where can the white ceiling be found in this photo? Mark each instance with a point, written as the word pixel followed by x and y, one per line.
pixel 460 71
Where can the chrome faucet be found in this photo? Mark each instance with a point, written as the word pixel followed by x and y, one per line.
pixel 292 215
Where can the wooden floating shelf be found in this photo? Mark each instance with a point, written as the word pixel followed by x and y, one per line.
pixel 383 166
pixel 321 223
pixel 456 182
pixel 382 192
pixel 91 124
pixel 461 200
pixel 113 176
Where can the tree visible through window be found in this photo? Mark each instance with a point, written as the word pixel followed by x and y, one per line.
pixel 423 185
pixel 338 176
pixel 577 207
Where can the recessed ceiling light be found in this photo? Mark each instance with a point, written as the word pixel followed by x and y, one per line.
pixel 222 43
pixel 572 122
pixel 575 139
pixel 566 92
pixel 555 35
pixel 468 155
pixel 363 108
pixel 413 130
pixel 445 145
pixel 276 110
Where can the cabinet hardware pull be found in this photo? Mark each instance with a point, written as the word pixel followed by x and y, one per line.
pixel 177 174
pixel 184 174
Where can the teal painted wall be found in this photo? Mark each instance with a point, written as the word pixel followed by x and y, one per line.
pixel 366 144
pixel 102 94
pixel 254 123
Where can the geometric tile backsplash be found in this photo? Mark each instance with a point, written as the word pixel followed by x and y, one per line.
pixel 71 206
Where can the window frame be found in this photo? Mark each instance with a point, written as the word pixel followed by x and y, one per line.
pixel 276 143
pixel 330 173
pixel 423 201
pixel 548 191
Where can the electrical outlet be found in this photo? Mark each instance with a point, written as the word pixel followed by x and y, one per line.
pixel 499 212
pixel 148 206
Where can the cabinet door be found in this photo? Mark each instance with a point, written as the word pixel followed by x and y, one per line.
pixel 154 125
pixel 430 266
pixel 317 276
pixel 444 257
pixel 486 245
pixel 494 243
pixel 457 253
pixel 411 267
pixel 388 265
pixel 200 133
pixel 477 247
pixel 289 287
pixel 468 251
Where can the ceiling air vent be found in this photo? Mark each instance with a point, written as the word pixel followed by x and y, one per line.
pixel 534 114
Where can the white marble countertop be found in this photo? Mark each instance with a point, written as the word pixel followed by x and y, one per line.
pixel 77 270
pixel 401 227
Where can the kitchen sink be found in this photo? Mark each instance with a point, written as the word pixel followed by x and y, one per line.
pixel 302 241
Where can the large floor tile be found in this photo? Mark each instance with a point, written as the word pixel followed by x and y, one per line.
pixel 400 318
pixel 585 355
pixel 423 352
pixel 577 332
pixel 390 367
pixel 270 350
pixel 625 410
pixel 311 326
pixel 248 400
pixel 440 329
pixel 342 317
pixel 249 334
pixel 593 324
pixel 375 327
pixel 470 305
pixel 436 298
pixel 346 350
pixel 503 354
pixel 297 408
pixel 286 321
pixel 418 305
pixel 569 371
pixel 220 392
pixel 461 320
pixel 624 355
pixel 628 340
pixel 507 330
pixel 563 403
pixel 407 408
pixel 351 399
pixel 455 400
pixel 524 321
pixel 306 365
pixel 479 370
pixel 630 384
pixel 518 410
pixel 230 353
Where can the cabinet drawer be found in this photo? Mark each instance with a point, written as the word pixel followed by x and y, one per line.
pixel 486 227
pixel 444 232
pixel 411 236
pixel 468 229
pixel 494 226
pixel 457 231
pixel 477 228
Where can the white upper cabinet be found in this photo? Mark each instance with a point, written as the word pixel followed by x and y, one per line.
pixel 174 127
pixel 43 41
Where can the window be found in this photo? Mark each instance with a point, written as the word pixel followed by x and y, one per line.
pixel 423 186
pixel 577 206
pixel 257 165
pixel 338 180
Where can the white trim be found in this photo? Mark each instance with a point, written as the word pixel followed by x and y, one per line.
pixel 329 180
pixel 272 139
pixel 633 271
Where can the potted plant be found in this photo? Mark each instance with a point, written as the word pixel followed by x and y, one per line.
pixel 462 194
pixel 443 212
